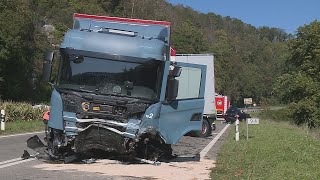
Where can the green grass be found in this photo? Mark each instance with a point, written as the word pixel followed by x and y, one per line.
pixel 22 126
pixel 275 150
pixel 275 115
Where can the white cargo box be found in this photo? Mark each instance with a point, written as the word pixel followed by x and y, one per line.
pixel 190 88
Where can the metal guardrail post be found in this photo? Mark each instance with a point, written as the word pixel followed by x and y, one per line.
pixel 3 119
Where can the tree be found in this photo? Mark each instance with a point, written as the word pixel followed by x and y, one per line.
pixel 16 42
pixel 187 39
pixel 300 85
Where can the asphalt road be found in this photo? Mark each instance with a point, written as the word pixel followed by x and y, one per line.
pixel 11 167
pixel 12 147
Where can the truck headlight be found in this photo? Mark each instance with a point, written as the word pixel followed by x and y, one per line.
pixel 85 106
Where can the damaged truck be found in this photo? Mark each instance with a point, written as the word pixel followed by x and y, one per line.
pixel 116 90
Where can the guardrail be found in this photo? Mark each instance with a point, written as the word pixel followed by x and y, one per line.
pixel 251 109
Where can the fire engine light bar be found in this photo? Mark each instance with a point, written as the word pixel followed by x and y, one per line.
pixel 119 19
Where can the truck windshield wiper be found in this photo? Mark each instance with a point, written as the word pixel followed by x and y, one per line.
pixel 134 99
pixel 75 91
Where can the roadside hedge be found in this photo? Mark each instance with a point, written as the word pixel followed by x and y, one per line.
pixel 275 115
pixel 21 111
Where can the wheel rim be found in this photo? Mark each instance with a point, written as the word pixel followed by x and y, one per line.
pixel 204 128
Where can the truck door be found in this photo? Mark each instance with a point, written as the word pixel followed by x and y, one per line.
pixel 184 114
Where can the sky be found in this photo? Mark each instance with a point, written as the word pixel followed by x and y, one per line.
pixel 283 14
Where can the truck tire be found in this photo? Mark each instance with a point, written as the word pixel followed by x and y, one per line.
pixel 206 129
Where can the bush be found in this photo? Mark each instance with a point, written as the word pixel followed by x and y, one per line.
pixel 297 113
pixel 21 111
pixel 275 115
pixel 305 112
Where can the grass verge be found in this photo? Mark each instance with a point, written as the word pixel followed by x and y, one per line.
pixel 275 150
pixel 22 126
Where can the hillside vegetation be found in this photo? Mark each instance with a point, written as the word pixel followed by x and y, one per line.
pixel 247 59
pixel 264 63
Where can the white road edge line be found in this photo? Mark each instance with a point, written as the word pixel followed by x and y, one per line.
pixel 13 135
pixel 16 162
pixel 9 161
pixel 214 140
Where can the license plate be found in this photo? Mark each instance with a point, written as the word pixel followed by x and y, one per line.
pixel 96 108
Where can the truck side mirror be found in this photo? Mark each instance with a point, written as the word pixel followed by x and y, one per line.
pixel 47 66
pixel 172 89
pixel 173 84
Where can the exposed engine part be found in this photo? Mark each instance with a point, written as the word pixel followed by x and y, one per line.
pixel 59 146
pixel 96 137
pixel 88 157
pixel 148 146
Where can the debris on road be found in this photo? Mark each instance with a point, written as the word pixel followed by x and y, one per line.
pixel 88 161
pixel 36 144
pixel 156 163
pixel 186 158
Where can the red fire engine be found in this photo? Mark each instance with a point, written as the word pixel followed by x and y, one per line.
pixel 222 104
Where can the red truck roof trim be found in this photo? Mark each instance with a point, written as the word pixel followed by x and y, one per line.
pixel 119 19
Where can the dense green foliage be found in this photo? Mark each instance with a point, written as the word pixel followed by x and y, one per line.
pixel 17 44
pixel 300 85
pixel 275 115
pixel 247 59
pixel 21 111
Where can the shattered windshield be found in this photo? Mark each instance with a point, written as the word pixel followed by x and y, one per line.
pixel 112 77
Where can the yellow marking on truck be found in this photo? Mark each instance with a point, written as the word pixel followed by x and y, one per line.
pixel 96 108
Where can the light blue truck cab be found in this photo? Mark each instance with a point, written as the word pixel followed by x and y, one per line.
pixel 118 91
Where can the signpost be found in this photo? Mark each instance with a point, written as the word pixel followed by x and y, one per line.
pixel 252 121
pixel 247 101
